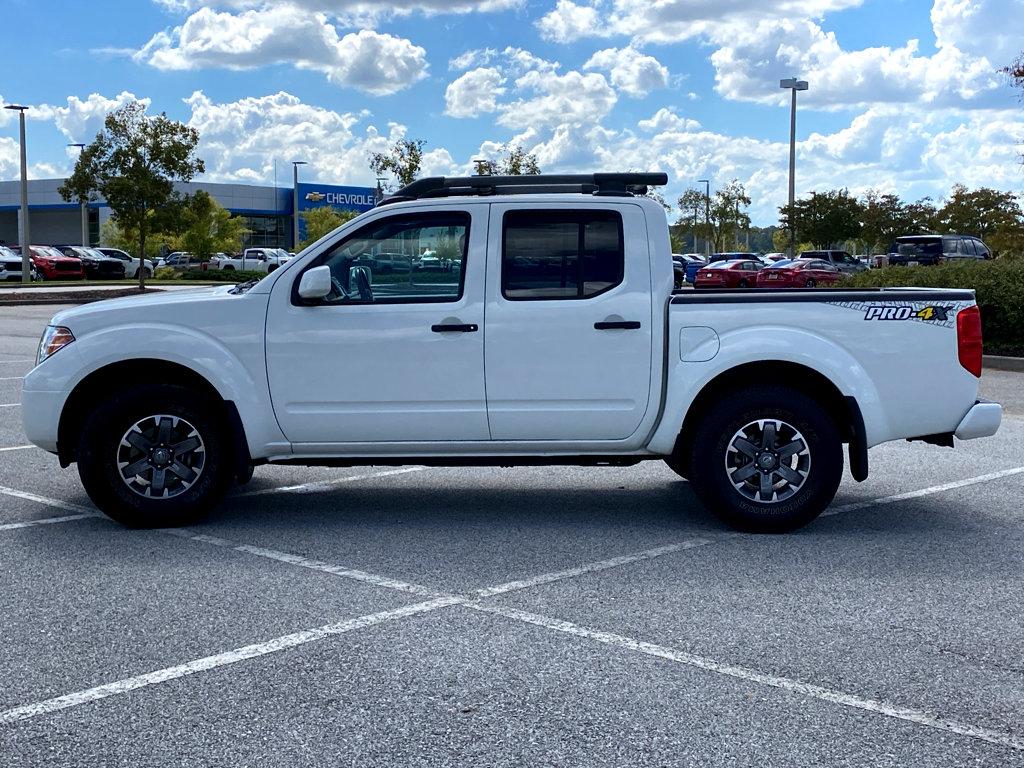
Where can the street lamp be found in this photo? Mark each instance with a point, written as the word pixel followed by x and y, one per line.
pixel 26 261
pixel 793 85
pixel 84 202
pixel 295 201
pixel 707 216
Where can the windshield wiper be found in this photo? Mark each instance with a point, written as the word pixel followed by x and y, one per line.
pixel 241 288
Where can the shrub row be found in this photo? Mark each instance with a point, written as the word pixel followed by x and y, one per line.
pixel 998 284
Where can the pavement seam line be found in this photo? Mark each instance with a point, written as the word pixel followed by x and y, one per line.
pixel 251 651
pixel 747 674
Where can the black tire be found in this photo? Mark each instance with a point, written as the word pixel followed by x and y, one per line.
pixel 811 283
pixel 227 267
pixel 713 452
pixel 744 284
pixel 100 446
pixel 271 268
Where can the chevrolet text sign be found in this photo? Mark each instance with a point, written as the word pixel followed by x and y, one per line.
pixel 329 195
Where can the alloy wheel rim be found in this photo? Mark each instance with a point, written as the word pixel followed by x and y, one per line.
pixel 161 456
pixel 767 461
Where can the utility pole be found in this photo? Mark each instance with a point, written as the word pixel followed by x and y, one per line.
pixel 707 217
pixel 26 258
pixel 84 203
pixel 295 201
pixel 793 85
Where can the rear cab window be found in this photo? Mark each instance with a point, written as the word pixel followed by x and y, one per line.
pixel 561 254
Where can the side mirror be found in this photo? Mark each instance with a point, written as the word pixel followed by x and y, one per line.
pixel 315 283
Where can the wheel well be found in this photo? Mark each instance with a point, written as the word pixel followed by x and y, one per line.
pixel 843 409
pixel 117 376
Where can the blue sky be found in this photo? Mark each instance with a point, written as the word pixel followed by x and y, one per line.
pixel 905 94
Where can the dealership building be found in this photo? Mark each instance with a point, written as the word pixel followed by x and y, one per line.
pixel 268 211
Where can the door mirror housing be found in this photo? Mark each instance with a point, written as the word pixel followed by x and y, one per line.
pixel 315 283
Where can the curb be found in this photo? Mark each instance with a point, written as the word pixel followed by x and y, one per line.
pixel 1003 363
pixel 73 298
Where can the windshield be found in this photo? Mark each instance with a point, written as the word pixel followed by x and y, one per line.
pixel 49 251
pixel 919 248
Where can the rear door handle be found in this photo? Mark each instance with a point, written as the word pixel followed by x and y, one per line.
pixel 605 325
pixel 441 328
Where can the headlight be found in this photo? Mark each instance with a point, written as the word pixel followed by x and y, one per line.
pixel 54 338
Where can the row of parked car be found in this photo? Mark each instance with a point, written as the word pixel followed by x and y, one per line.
pixel 66 262
pixel 814 268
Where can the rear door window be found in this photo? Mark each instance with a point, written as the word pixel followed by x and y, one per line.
pixel 561 254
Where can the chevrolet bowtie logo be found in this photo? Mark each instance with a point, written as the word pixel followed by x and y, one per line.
pixel 315 197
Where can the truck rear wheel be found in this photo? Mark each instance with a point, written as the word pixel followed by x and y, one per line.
pixel 766 459
pixel 154 456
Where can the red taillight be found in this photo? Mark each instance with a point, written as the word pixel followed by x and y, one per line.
pixel 968 339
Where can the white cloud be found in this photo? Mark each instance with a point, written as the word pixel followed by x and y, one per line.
pixel 992 29
pixel 749 65
pixel 551 99
pixel 474 93
pixel 366 60
pixel 632 72
pixel 477 57
pixel 353 12
pixel 671 21
pixel 665 120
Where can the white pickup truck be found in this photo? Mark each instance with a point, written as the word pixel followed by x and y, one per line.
pixel 252 259
pixel 558 341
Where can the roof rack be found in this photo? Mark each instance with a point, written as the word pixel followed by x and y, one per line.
pixel 620 185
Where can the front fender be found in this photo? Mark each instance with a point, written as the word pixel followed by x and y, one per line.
pixel 238 375
pixel 766 344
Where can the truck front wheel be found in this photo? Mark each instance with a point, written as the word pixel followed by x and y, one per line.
pixel 154 456
pixel 766 459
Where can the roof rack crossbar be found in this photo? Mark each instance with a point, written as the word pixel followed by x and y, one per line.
pixel 622 184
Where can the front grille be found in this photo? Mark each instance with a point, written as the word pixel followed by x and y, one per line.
pixel 67 267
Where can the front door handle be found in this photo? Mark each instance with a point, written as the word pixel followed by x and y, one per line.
pixel 605 325
pixel 441 328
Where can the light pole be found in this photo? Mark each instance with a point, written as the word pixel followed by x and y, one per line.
pixel 84 202
pixel 707 217
pixel 793 85
pixel 295 201
pixel 26 260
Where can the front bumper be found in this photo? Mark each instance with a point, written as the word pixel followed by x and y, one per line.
pixel 980 422
pixel 40 416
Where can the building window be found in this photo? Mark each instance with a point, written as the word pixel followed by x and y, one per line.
pixel 267 231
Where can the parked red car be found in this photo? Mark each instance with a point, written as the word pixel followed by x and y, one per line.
pixel 800 273
pixel 737 273
pixel 51 264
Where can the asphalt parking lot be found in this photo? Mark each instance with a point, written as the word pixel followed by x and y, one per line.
pixel 382 616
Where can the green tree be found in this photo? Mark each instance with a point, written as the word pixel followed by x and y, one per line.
pixel 134 163
pixel 728 219
pixel 113 234
pixel 513 160
pixel 401 162
pixel 824 218
pixel 207 227
pixel 320 221
pixel 980 213
pixel 692 207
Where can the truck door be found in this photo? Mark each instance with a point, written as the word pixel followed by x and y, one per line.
pixel 388 356
pixel 569 321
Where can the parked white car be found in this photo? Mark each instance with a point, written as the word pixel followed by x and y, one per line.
pixel 10 265
pixel 558 341
pixel 131 264
pixel 252 259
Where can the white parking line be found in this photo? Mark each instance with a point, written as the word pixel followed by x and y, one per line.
pixel 44 521
pixel 48 501
pixel 754 676
pixel 924 492
pixel 215 661
pixel 8 405
pixel 306 488
pixel 16 448
pixel 590 568
pixel 10 378
pixel 309 563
